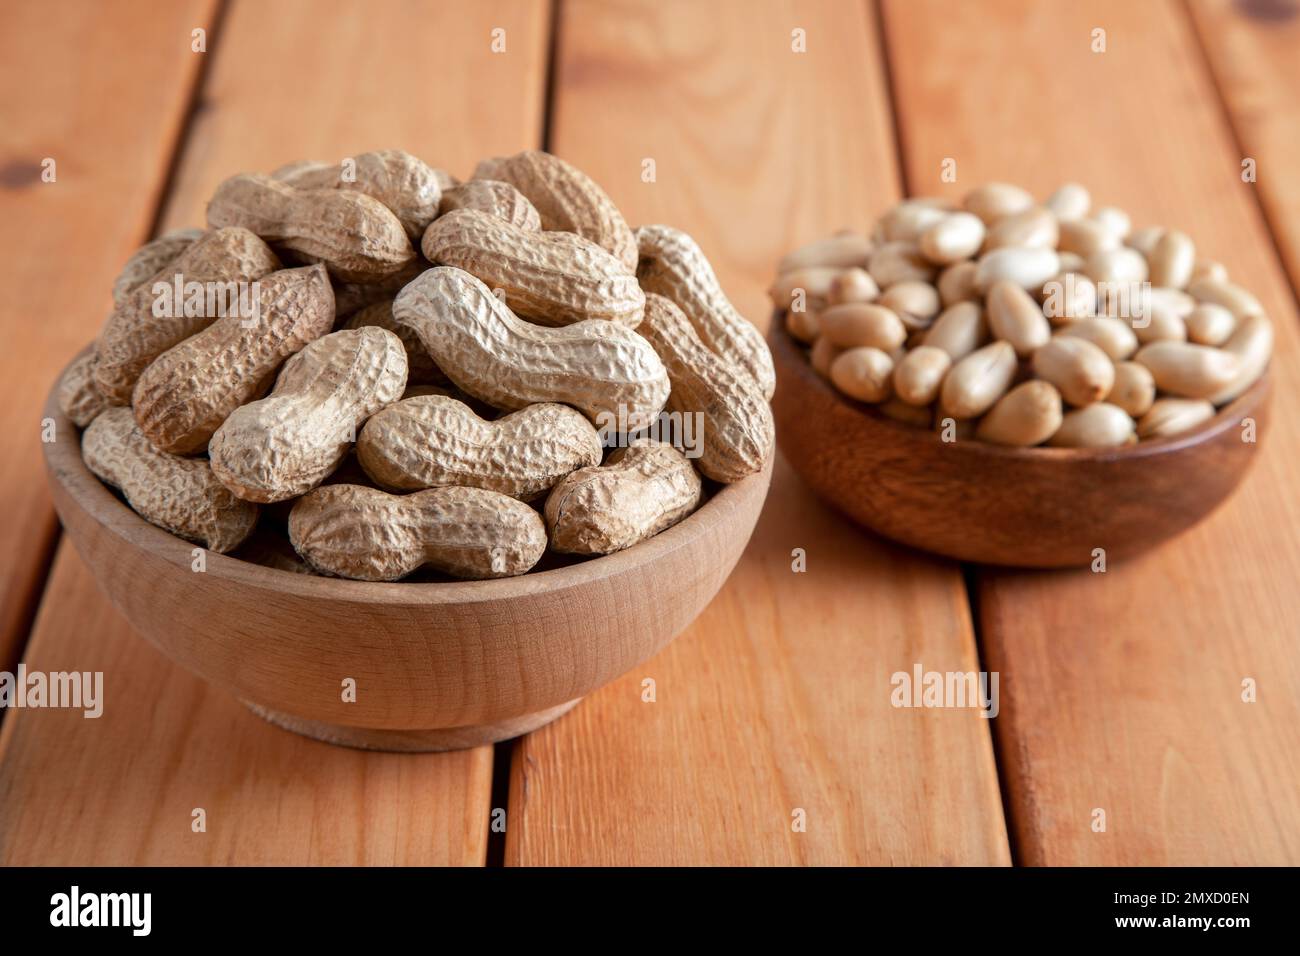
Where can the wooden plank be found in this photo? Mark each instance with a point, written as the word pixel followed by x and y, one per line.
pixel 419 75
pixel 109 123
pixel 122 789
pixel 1251 48
pixel 1122 691
pixel 777 698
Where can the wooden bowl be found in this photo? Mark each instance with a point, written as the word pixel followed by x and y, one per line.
pixel 1025 507
pixel 437 666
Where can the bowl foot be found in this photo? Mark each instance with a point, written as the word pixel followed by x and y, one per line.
pixel 413 741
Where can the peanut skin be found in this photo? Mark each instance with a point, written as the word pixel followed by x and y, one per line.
pixel 189 390
pixel 494 198
pixel 738 432
pixel 673 266
pixel 180 495
pixel 369 535
pixel 420 368
pixel 642 490
pixel 434 441
pixel 134 336
pixel 289 442
pixel 407 186
pixel 603 369
pixel 552 278
pixel 79 397
pixel 356 236
pixel 150 259
pixel 567 199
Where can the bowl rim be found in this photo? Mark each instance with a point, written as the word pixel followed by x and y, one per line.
pixel 1226 416
pixel 64 465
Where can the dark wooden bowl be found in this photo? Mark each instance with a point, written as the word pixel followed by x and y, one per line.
pixel 438 666
pixel 1025 507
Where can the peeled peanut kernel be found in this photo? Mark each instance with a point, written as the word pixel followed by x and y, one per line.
pixel 916 303
pixel 1099 425
pixel 863 373
pixel 1172 259
pixel 993 202
pixel 1084 237
pixel 808 287
pixel 1159 325
pixel 899 262
pixel 1222 292
pixel 1027 415
pixel 1117 265
pixel 1169 416
pixel 1071 261
pixel 823 353
pixel 978 380
pixel 1069 296
pixel 1209 324
pixel 1144 240
pixel 1188 370
pixel 1070 201
pixel 1112 336
pixel 1114 220
pixel 1034 228
pixel 852 285
pixel 959 330
pixel 909 219
pixel 957 284
pixel 862 325
pixel 919 374
pixel 802 325
pixel 1134 389
pixel 842 251
pixel 1027 268
pixel 1252 343
pixel 1015 317
pixel 1174 300
pixel 1081 371
pixel 1209 269
pixel 953 238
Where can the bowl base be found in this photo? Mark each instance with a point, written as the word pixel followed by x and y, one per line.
pixel 413 741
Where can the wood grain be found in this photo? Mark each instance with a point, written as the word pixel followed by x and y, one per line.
pixel 1122 691
pixel 1253 57
pixel 121 789
pixel 777 698
pixel 288 80
pixel 63 242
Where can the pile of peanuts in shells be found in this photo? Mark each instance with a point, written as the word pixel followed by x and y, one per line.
pixel 1021 323
pixel 456 376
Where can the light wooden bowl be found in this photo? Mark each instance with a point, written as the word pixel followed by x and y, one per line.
pixel 1025 507
pixel 438 666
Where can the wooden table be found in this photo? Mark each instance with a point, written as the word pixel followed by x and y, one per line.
pixel 1121 691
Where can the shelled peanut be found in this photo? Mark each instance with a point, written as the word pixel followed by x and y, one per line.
pixel 1025 323
pixel 501 354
